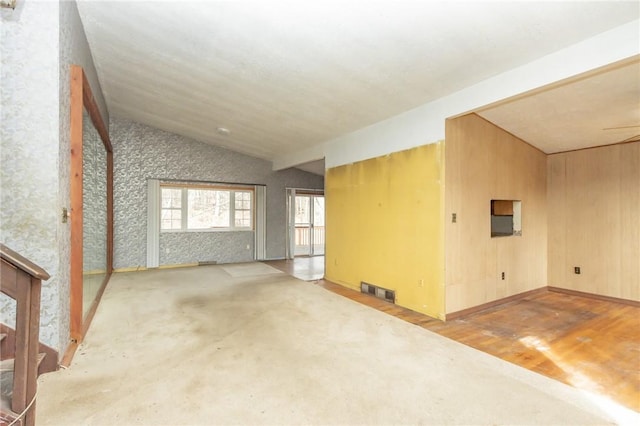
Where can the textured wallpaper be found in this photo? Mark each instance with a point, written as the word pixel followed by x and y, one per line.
pixel 192 247
pixel 29 148
pixel 142 152
pixel 39 41
pixel 73 49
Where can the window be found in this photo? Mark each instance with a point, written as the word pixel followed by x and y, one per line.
pixel 206 208
pixel 171 217
pixel 242 211
pixel 506 218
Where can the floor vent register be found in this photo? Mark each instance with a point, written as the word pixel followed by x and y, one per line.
pixel 379 292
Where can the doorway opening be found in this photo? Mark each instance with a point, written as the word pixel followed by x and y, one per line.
pixel 306 223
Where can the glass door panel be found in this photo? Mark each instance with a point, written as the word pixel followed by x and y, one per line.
pixel 302 225
pixel 94 213
pixel 318 226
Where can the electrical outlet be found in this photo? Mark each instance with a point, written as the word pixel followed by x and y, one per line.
pixel 454 218
pixel 503 275
pixel 576 269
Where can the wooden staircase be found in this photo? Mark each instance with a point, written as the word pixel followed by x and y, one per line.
pixel 22 356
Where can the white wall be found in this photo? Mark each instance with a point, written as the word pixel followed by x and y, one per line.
pixel 425 124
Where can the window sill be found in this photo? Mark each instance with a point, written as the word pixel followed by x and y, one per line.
pixel 500 234
pixel 191 231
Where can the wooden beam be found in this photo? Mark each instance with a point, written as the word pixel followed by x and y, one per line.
pixel 82 97
pixel 76 203
pixel 109 213
pixel 94 112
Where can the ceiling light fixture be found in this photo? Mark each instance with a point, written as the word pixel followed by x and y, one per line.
pixel 223 131
pixel 9 4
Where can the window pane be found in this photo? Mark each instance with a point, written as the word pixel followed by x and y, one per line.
pixel 171 197
pixel 318 211
pixel 242 212
pixel 207 209
pixel 243 200
pixel 243 218
pixel 302 210
pixel 171 219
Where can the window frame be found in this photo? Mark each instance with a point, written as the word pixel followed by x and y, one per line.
pixel 232 189
pixel 235 209
pixel 181 209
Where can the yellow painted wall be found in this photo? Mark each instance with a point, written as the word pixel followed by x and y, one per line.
pixel 384 226
pixel 594 220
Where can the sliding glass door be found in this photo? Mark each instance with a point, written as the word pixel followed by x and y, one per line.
pixel 306 224
pixel 317 225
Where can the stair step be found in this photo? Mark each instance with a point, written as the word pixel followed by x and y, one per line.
pixel 6 390
pixel 7 364
pixel 7 417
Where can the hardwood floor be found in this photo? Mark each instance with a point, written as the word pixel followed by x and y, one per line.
pixel 587 343
pixel 306 268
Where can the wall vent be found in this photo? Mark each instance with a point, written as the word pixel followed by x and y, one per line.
pixel 379 292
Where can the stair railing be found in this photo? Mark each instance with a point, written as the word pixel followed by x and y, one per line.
pixel 22 281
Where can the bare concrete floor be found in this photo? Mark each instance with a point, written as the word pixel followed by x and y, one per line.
pixel 247 344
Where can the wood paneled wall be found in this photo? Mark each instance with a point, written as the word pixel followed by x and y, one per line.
pixel 483 162
pixel 594 220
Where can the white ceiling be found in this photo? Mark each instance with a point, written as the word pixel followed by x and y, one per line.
pixel 600 109
pixel 285 76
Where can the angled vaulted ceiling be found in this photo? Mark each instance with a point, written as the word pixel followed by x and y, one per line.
pixel 284 76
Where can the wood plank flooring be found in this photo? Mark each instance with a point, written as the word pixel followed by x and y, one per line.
pixel 587 343
pixel 306 268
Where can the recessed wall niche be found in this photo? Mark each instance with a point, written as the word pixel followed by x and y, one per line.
pixel 506 218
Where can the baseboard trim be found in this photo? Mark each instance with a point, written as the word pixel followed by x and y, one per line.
pixel 144 268
pixel 595 296
pixel 474 309
pixel 131 269
pixel 180 265
pixel 478 308
pixel 65 362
